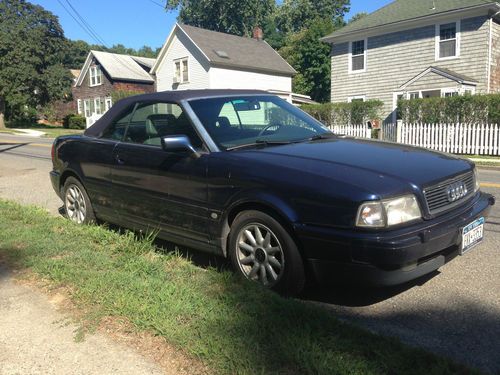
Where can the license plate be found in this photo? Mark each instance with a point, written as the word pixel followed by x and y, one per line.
pixel 472 235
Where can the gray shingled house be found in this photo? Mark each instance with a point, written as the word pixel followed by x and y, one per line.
pixel 417 49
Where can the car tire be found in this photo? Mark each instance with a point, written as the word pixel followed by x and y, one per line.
pixel 77 204
pixel 262 250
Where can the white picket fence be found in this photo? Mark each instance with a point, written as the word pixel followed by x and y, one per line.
pixel 360 131
pixel 473 139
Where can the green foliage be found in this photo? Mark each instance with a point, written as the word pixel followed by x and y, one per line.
pixel 332 114
pixel 122 94
pixel 311 59
pixel 296 15
pixel 358 16
pixel 229 16
pixel 32 44
pixel 231 325
pixel 456 109
pixel 73 121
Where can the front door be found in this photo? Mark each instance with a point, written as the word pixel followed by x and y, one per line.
pixel 156 189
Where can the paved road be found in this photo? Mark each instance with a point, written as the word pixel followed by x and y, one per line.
pixel 454 312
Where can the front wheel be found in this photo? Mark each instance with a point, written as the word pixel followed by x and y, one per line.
pixel 263 251
pixel 77 203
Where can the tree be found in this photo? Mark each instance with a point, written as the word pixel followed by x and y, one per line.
pixel 32 45
pixel 295 15
pixel 311 58
pixel 358 16
pixel 237 17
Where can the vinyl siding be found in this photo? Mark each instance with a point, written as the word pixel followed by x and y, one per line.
pixel 222 78
pixel 495 58
pixel 198 66
pixel 394 59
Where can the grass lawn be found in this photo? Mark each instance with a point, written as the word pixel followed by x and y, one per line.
pixel 51 131
pixel 233 326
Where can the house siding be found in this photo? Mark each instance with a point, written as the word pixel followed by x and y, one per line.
pixel 222 78
pixel 495 58
pixel 181 46
pixel 394 59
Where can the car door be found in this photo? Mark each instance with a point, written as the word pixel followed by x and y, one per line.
pixel 96 159
pixel 158 189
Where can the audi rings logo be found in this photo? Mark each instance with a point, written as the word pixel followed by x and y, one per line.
pixel 456 191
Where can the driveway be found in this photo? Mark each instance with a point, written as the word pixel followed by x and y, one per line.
pixel 454 312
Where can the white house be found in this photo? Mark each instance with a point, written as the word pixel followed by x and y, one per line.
pixel 195 58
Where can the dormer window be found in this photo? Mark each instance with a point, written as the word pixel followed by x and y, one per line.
pixel 357 56
pixel 95 75
pixel 447 40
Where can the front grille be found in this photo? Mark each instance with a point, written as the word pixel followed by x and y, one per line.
pixel 436 196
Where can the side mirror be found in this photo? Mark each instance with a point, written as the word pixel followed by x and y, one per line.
pixel 178 143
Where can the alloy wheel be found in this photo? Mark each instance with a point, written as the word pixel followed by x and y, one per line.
pixel 76 208
pixel 259 254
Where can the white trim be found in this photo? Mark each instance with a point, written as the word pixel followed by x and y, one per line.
pixel 458 33
pixel 439 72
pixel 181 61
pixel 167 45
pixel 356 97
pixel 490 55
pixel 108 103
pixel 83 72
pixel 450 91
pixel 365 54
pixel 79 106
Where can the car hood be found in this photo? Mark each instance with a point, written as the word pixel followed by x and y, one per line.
pixel 364 162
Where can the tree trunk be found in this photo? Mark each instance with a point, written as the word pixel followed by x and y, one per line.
pixel 2 110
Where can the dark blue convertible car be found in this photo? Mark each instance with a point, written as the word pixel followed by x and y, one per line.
pixel 249 176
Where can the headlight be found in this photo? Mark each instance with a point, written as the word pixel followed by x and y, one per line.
pixel 388 212
pixel 476 181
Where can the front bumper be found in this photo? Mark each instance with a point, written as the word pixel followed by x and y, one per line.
pixel 392 257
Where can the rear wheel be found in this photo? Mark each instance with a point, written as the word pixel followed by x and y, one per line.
pixel 261 250
pixel 77 203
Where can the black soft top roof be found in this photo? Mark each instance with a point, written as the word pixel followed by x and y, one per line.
pixel 167 96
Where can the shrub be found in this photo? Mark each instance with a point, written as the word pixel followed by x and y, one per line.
pixel 455 109
pixel 73 121
pixel 355 112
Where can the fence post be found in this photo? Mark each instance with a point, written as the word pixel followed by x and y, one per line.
pixel 399 126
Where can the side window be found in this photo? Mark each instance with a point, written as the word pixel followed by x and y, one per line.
pixel 152 121
pixel 116 130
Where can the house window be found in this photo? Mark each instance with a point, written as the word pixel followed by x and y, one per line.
pixel 108 103
pixel 358 98
pixel 414 95
pixel 357 60
pixel 99 106
pixel 181 69
pixel 447 40
pixel 95 76
pixel 86 108
pixel 79 106
pixel 448 93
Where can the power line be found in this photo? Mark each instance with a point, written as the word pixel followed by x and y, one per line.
pixel 157 3
pixel 91 32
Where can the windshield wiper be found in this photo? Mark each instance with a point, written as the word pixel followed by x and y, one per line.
pixel 259 142
pixel 320 137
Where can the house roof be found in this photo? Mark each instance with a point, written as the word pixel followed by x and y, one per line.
pixel 119 67
pixel 146 61
pixel 232 51
pixel 407 10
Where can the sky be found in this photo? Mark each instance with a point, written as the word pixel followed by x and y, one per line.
pixel 135 23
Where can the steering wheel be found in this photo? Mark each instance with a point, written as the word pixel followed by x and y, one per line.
pixel 277 126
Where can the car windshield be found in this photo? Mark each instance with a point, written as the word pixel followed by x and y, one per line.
pixel 233 122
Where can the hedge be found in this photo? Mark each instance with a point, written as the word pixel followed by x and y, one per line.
pixel 456 109
pixel 355 112
pixel 73 121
